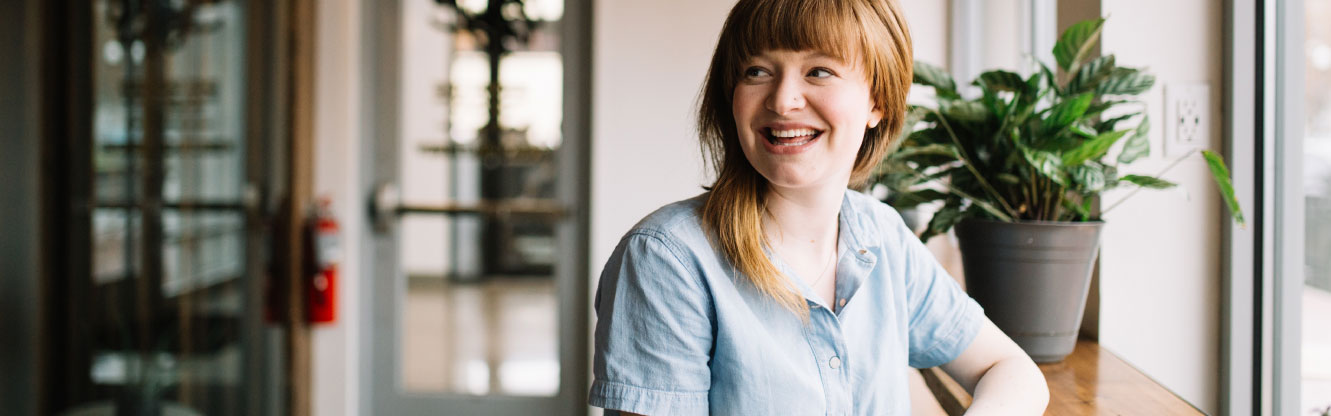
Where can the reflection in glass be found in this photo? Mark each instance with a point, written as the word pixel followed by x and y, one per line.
pixel 1317 184
pixel 479 314
pixel 163 332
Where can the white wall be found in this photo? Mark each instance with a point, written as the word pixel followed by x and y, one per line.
pixel 928 21
pixel 335 375
pixel 1160 262
pixel 649 59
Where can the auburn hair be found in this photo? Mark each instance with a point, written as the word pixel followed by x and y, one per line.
pixel 869 33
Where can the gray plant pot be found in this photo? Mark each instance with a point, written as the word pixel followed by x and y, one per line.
pixel 1031 277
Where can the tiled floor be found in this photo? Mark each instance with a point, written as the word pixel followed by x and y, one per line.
pixel 496 337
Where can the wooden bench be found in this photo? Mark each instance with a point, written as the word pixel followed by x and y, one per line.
pixel 1091 381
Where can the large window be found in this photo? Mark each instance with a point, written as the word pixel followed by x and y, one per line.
pixel 1316 333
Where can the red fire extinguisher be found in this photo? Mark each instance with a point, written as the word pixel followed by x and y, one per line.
pixel 327 253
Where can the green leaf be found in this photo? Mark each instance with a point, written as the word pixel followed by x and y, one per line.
pixel 968 111
pixel 1061 142
pixel 1109 124
pixel 993 102
pixel 911 199
pixel 1111 175
pixel 1139 145
pixel 932 149
pixel 1148 181
pixel 1008 178
pixel 1000 80
pixel 1050 78
pixel 1093 149
pixel 1081 129
pixel 1102 106
pixel 1075 44
pixel 928 136
pixel 1091 74
pixel 929 75
pixel 1033 88
pixel 1126 81
pixel 944 219
pixel 1083 210
pixel 1046 164
pixel 1066 112
pixel 1221 175
pixel 913 117
pixel 1090 178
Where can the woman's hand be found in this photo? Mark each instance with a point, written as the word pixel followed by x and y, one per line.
pixel 1000 376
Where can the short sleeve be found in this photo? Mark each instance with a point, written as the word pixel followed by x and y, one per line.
pixel 943 318
pixel 653 331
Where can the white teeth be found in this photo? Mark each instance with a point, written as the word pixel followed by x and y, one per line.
pixel 799 143
pixel 793 133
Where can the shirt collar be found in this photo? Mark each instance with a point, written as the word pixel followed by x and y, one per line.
pixel 858 230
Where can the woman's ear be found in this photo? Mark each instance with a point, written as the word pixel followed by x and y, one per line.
pixel 875 116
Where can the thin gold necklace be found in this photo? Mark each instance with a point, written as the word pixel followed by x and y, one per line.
pixel 821 274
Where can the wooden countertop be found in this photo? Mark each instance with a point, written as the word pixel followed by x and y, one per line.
pixel 1090 381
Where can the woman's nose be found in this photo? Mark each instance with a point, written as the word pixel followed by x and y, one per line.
pixel 786 97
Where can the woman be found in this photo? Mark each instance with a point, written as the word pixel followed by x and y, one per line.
pixel 780 291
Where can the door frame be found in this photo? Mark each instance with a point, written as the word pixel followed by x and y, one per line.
pixel 379 311
pixel 22 219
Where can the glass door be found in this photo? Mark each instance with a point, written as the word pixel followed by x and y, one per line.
pixel 480 272
pixel 160 311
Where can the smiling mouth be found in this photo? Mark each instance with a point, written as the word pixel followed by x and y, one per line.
pixel 791 137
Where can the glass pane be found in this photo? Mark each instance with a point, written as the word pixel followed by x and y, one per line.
pixel 479 315
pixel 1317 180
pixel 165 339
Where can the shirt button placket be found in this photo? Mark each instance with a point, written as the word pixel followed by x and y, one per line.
pixel 825 353
pixel 836 378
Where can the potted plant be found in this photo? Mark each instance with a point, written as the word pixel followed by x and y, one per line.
pixel 1018 170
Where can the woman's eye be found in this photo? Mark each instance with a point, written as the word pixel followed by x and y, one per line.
pixel 754 71
pixel 820 73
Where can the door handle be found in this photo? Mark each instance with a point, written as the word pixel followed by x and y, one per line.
pixel 386 205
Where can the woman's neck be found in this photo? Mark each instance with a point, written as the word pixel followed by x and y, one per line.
pixel 797 218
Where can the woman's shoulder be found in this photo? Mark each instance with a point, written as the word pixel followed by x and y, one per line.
pixel 669 242
pixel 676 223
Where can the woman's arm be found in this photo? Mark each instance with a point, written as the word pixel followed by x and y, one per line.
pixel 1000 376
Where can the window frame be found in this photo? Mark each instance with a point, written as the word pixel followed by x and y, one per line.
pixel 1261 298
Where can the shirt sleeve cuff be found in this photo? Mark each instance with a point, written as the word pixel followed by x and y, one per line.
pixel 965 326
pixel 617 396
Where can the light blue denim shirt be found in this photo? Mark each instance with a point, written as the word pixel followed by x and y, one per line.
pixel 680 332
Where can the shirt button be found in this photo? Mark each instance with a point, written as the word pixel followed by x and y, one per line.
pixel 834 363
pixel 841 302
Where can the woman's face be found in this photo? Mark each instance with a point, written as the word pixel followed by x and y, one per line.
pixel 801 117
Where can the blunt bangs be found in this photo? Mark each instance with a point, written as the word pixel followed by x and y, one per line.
pixel 830 27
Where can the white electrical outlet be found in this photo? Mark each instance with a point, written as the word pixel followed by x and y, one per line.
pixel 1187 118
